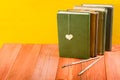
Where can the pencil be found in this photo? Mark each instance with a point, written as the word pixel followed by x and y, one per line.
pixel 78 62
pixel 89 66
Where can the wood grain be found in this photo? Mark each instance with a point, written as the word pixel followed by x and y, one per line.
pixel 42 62
pixel 68 73
pixel 8 54
pixel 97 72
pixel 29 62
pixel 46 67
pixel 25 62
pixel 112 60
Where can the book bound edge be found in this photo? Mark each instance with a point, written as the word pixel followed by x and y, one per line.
pixel 68 12
pixel 98 5
pixel 91 8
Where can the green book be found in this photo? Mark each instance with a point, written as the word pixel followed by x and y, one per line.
pixel 93 29
pixel 74 34
pixel 101 26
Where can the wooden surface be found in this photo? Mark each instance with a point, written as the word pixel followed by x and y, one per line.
pixel 97 72
pixel 112 60
pixel 28 62
pixel 8 54
pixel 42 62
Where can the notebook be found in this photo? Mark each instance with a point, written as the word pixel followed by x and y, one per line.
pixel 101 27
pixel 74 34
pixel 93 29
pixel 109 23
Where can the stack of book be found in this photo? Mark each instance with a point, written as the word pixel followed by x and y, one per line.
pixel 85 30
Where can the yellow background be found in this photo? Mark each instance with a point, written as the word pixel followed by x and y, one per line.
pixel 34 21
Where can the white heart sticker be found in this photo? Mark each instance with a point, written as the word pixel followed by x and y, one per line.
pixel 69 36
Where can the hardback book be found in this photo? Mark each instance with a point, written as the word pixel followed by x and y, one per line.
pixel 101 27
pixel 74 34
pixel 109 23
pixel 93 29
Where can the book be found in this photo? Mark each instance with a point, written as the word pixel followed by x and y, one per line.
pixel 101 27
pixel 74 34
pixel 109 23
pixel 93 29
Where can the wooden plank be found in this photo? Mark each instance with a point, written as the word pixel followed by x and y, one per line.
pixel 74 70
pixel 24 65
pixel 86 75
pixel 68 73
pixel 62 73
pixel 8 54
pixel 112 60
pixel 47 63
pixel 96 72
pixel 40 62
pixel 53 65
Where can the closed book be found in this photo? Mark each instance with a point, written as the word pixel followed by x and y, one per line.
pixel 101 27
pixel 93 29
pixel 109 23
pixel 74 34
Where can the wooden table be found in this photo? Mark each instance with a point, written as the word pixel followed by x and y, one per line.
pixel 42 62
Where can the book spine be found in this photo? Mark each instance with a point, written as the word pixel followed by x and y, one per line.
pixel 109 25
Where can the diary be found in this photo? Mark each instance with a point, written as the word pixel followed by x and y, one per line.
pixel 93 29
pixel 101 27
pixel 74 34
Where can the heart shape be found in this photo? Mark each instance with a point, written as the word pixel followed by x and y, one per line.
pixel 69 36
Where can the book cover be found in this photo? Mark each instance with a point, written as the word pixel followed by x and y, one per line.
pixel 109 23
pixel 93 29
pixel 74 34
pixel 101 27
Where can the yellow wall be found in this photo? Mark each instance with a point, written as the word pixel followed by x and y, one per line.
pixel 34 21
